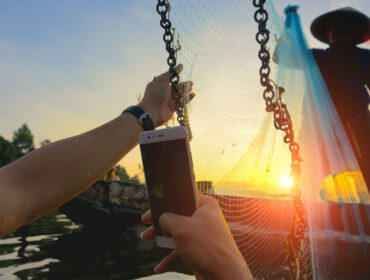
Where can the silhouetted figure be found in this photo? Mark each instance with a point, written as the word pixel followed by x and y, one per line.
pixel 346 71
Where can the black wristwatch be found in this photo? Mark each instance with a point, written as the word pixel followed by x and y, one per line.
pixel 145 119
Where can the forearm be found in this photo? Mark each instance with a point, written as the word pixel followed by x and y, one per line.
pixel 234 269
pixel 230 264
pixel 50 176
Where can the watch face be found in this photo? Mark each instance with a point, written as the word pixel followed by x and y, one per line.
pixel 147 121
pixel 146 118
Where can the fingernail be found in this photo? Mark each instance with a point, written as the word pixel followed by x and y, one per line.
pixel 141 235
pixel 155 269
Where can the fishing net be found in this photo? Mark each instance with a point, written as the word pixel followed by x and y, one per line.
pixel 241 158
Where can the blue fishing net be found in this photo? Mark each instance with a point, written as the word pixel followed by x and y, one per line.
pixel 332 184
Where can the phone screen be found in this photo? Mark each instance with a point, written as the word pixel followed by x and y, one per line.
pixel 169 179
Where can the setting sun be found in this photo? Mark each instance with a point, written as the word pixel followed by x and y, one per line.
pixel 285 181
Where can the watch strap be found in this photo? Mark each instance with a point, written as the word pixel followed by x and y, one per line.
pixel 144 118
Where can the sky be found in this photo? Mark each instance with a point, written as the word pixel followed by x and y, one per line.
pixel 70 66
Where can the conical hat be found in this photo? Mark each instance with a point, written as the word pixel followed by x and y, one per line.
pixel 347 23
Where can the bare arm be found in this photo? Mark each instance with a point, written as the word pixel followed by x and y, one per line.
pixel 46 178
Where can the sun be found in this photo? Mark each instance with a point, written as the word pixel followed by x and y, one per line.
pixel 285 181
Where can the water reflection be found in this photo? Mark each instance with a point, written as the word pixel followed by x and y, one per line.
pixel 55 248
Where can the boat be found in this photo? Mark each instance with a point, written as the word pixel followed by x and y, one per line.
pixel 114 204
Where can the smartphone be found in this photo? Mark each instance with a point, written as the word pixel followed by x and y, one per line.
pixel 169 176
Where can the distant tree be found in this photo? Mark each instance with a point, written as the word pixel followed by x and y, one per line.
pixel 122 173
pixel 23 140
pixel 135 179
pixel 45 142
pixel 8 152
pixel 123 176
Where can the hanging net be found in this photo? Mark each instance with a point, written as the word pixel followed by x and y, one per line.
pixel 241 158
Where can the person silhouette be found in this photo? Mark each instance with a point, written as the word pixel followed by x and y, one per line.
pixel 346 72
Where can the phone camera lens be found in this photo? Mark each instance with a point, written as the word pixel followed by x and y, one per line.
pixel 148 137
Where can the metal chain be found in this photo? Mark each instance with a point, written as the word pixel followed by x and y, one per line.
pixel 272 95
pixel 163 8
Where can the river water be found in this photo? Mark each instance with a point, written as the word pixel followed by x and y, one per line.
pixel 54 247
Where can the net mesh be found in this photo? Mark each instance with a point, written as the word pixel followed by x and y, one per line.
pixel 241 158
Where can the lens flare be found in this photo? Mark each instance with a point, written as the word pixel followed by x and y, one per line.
pixel 285 181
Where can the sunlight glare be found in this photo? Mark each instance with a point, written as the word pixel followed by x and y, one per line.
pixel 285 181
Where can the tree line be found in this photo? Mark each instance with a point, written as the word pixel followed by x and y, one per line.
pixel 21 144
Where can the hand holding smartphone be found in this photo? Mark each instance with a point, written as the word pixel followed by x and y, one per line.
pixel 169 176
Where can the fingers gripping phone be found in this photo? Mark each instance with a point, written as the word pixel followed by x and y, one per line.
pixel 169 176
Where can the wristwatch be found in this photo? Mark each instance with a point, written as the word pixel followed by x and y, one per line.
pixel 145 119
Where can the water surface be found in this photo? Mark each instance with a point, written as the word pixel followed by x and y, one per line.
pixel 54 247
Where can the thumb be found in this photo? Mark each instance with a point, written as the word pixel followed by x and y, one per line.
pixel 171 223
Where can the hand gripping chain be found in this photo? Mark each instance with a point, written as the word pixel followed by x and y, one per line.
pixel 163 9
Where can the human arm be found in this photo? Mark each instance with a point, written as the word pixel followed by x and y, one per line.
pixel 48 177
pixel 203 241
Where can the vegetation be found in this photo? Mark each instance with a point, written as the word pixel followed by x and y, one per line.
pixel 21 144
pixel 23 141
pixel 123 176
pixel 8 152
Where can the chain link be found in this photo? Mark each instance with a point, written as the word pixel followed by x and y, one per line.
pixel 163 8
pixel 282 121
